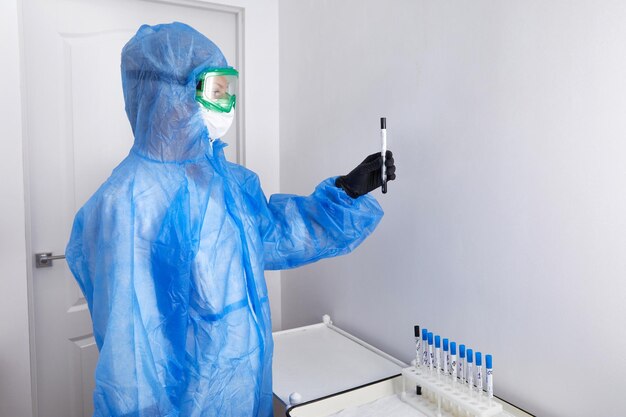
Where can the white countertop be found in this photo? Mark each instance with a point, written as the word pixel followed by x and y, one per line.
pixel 317 361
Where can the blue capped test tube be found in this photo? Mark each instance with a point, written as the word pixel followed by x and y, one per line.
pixel 431 352
pixel 479 373
pixel 425 348
pixel 446 357
pixel 438 353
pixel 453 361
pixel 462 363
pixel 489 366
pixel 470 370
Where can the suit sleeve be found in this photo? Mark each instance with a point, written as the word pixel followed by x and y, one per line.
pixel 297 230
pixel 104 258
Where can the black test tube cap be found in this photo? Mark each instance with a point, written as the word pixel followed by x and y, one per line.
pixel 416 330
pixel 418 390
pixel 383 123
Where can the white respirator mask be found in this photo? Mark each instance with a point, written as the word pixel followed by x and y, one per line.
pixel 217 123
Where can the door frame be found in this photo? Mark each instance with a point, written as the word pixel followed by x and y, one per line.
pixel 257 52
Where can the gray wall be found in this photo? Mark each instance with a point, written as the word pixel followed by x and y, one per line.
pixel 506 228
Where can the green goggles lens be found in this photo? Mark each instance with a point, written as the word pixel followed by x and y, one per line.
pixel 217 89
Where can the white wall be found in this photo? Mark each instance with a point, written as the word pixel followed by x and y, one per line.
pixel 15 386
pixel 506 228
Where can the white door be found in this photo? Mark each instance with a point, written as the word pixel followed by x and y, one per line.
pixel 77 132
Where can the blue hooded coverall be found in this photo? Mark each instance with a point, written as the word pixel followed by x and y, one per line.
pixel 170 251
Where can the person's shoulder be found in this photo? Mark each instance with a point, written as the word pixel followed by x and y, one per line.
pixel 115 190
pixel 243 175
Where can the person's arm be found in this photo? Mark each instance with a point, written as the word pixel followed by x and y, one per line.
pixel 103 256
pixel 297 230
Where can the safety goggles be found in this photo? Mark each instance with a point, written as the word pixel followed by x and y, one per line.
pixel 216 89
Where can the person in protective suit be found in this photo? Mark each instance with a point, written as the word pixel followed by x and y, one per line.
pixel 170 251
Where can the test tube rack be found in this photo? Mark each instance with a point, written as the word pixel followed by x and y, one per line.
pixel 442 397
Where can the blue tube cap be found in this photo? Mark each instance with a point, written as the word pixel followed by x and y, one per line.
pixel 424 334
pixel 488 361
pixel 470 356
pixel 479 359
pixel 430 338
pixel 452 348
pixel 445 345
pixel 437 341
pixel 462 351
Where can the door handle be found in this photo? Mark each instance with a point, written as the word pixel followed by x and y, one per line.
pixel 44 259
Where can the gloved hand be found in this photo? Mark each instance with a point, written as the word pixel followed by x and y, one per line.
pixel 367 176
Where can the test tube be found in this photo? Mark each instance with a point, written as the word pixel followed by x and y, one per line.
pixel 462 363
pixel 470 370
pixel 479 373
pixel 418 346
pixel 425 348
pixel 383 152
pixel 453 361
pixel 446 358
pixel 431 352
pixel 438 353
pixel 488 365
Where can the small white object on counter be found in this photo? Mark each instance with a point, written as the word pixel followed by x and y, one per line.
pixel 295 398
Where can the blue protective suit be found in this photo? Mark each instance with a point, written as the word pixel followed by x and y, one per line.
pixel 170 251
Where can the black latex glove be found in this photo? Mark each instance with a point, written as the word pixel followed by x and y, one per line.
pixel 367 176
